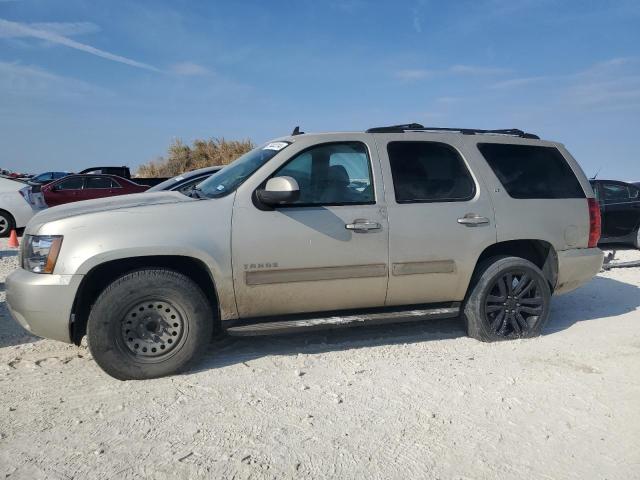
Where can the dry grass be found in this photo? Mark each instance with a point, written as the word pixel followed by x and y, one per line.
pixel 204 153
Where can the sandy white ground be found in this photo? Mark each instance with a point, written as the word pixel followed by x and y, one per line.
pixel 407 401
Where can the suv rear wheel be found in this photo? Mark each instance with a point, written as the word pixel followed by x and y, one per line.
pixel 149 323
pixel 509 298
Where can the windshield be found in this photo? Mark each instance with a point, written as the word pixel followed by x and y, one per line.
pixel 232 176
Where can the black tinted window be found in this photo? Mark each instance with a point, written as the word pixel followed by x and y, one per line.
pixel 428 172
pixel 528 171
pixel 74 183
pixel 98 182
pixel 617 192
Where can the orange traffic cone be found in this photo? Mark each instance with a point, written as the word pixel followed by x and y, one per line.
pixel 13 239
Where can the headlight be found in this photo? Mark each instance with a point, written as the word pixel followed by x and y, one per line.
pixel 40 252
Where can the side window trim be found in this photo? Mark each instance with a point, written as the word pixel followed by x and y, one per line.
pixel 461 160
pixel 334 204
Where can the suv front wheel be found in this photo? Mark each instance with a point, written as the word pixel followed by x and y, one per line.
pixel 149 323
pixel 509 298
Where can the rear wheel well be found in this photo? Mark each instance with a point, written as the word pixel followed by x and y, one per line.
pixel 540 253
pixel 102 275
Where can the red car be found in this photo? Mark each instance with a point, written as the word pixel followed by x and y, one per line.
pixel 74 188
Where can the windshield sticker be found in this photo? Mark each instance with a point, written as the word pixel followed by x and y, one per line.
pixel 277 146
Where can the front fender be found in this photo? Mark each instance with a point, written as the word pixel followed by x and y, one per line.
pixel 200 230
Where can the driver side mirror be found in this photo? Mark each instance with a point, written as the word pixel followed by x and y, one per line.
pixel 279 191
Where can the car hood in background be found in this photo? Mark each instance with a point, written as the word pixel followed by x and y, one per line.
pixel 105 204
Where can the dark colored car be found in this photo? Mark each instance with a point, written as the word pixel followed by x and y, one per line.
pixel 86 187
pixel 620 211
pixel 186 182
pixel 123 171
pixel 46 177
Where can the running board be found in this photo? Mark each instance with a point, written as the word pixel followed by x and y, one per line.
pixel 331 322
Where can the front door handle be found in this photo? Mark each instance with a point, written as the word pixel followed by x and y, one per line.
pixel 361 225
pixel 473 220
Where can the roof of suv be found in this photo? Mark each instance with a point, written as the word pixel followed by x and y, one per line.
pixel 507 135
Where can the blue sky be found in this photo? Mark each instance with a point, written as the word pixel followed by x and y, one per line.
pixel 88 82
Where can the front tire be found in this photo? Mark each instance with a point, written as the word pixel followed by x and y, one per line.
pixel 509 298
pixel 7 223
pixel 149 323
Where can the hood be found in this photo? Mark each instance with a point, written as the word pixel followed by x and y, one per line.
pixel 106 204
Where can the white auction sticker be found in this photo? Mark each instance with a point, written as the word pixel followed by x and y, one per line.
pixel 277 146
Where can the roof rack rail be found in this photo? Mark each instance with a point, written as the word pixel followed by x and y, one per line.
pixel 416 127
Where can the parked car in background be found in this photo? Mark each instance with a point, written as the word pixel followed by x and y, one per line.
pixel 620 211
pixel 15 205
pixel 74 188
pixel 123 172
pixel 186 182
pixel 317 231
pixel 46 177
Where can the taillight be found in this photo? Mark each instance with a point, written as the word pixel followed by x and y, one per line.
pixel 595 223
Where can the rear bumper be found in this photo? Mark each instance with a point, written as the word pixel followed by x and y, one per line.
pixel 576 267
pixel 42 303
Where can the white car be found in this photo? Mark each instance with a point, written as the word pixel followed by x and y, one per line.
pixel 16 208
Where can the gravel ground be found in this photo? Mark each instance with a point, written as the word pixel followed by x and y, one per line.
pixel 406 401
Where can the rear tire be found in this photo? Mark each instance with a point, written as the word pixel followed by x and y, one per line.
pixel 149 323
pixel 509 298
pixel 7 223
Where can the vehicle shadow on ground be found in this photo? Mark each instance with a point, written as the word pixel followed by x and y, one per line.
pixel 229 350
pixel 601 298
pixel 11 333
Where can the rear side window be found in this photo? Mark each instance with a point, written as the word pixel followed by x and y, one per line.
pixel 618 193
pixel 98 182
pixel 428 172
pixel 528 171
pixel 74 183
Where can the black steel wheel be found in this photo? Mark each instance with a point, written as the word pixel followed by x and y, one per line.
pixel 153 329
pixel 509 298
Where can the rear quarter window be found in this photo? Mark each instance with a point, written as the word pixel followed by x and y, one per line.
pixel 530 171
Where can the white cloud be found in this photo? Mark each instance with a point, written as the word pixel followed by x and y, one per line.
pixel 476 70
pixel 413 74
pixel 518 82
pixel 18 80
pixel 461 70
pixel 59 28
pixel 8 28
pixel 189 69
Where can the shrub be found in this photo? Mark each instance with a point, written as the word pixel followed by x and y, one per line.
pixel 204 153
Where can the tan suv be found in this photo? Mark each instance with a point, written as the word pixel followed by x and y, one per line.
pixel 314 230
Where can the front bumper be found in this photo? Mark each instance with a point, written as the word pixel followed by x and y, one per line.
pixel 576 267
pixel 42 303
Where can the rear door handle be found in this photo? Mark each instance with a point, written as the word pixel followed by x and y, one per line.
pixel 473 220
pixel 362 226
